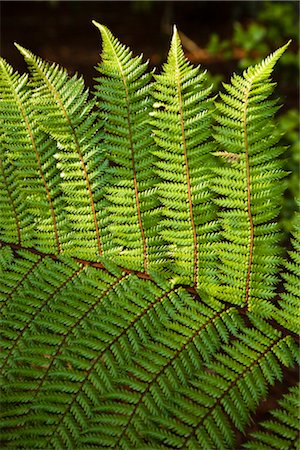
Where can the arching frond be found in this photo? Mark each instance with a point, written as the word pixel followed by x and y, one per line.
pixel 129 321
pixel 249 187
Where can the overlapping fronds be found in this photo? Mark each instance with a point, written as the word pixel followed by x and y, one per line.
pixel 69 330
pixel 249 186
pixel 125 314
pixel 123 93
pixel 282 431
pixel 181 121
pixel 65 113
pixel 162 367
pixel 221 398
pixel 29 178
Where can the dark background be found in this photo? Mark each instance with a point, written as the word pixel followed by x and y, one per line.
pixel 62 31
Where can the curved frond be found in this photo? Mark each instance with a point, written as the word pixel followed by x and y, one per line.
pixel 70 328
pixel 249 186
pixel 67 115
pixel 129 321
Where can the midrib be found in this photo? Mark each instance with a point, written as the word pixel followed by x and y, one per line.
pixel 33 143
pixel 135 182
pixel 57 97
pixel 195 243
pixel 250 218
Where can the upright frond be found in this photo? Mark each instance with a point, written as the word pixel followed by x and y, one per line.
pixel 181 121
pixel 123 93
pixel 28 173
pixel 65 113
pixel 249 186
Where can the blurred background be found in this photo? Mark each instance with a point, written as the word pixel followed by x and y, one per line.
pixel 224 37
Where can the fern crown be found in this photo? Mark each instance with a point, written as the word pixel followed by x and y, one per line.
pixel 145 299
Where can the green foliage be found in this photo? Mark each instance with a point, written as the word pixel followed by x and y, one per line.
pixel 269 24
pixel 181 127
pixel 139 273
pixel 249 186
pixel 282 431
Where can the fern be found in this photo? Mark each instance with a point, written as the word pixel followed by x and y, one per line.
pixel 222 396
pixel 30 181
pixel 249 187
pixel 182 117
pixel 140 257
pixel 124 103
pixel 288 313
pixel 66 114
pixel 282 431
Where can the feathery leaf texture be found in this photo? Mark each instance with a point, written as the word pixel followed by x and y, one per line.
pixel 66 115
pixel 289 312
pixel 181 121
pixel 123 94
pixel 203 414
pixel 249 187
pixel 138 271
pixel 282 432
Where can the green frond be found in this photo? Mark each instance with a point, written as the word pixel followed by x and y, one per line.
pixel 163 366
pixel 66 114
pixel 69 330
pixel 123 93
pixel 181 120
pixel 249 186
pixel 282 431
pixel 288 313
pixel 222 396
pixel 30 182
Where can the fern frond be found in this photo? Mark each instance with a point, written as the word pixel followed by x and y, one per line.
pixel 282 431
pixel 65 112
pixel 222 396
pixel 14 271
pixel 249 188
pixel 68 333
pixel 162 367
pixel 29 177
pixel 123 93
pixel 181 121
pixel 288 314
